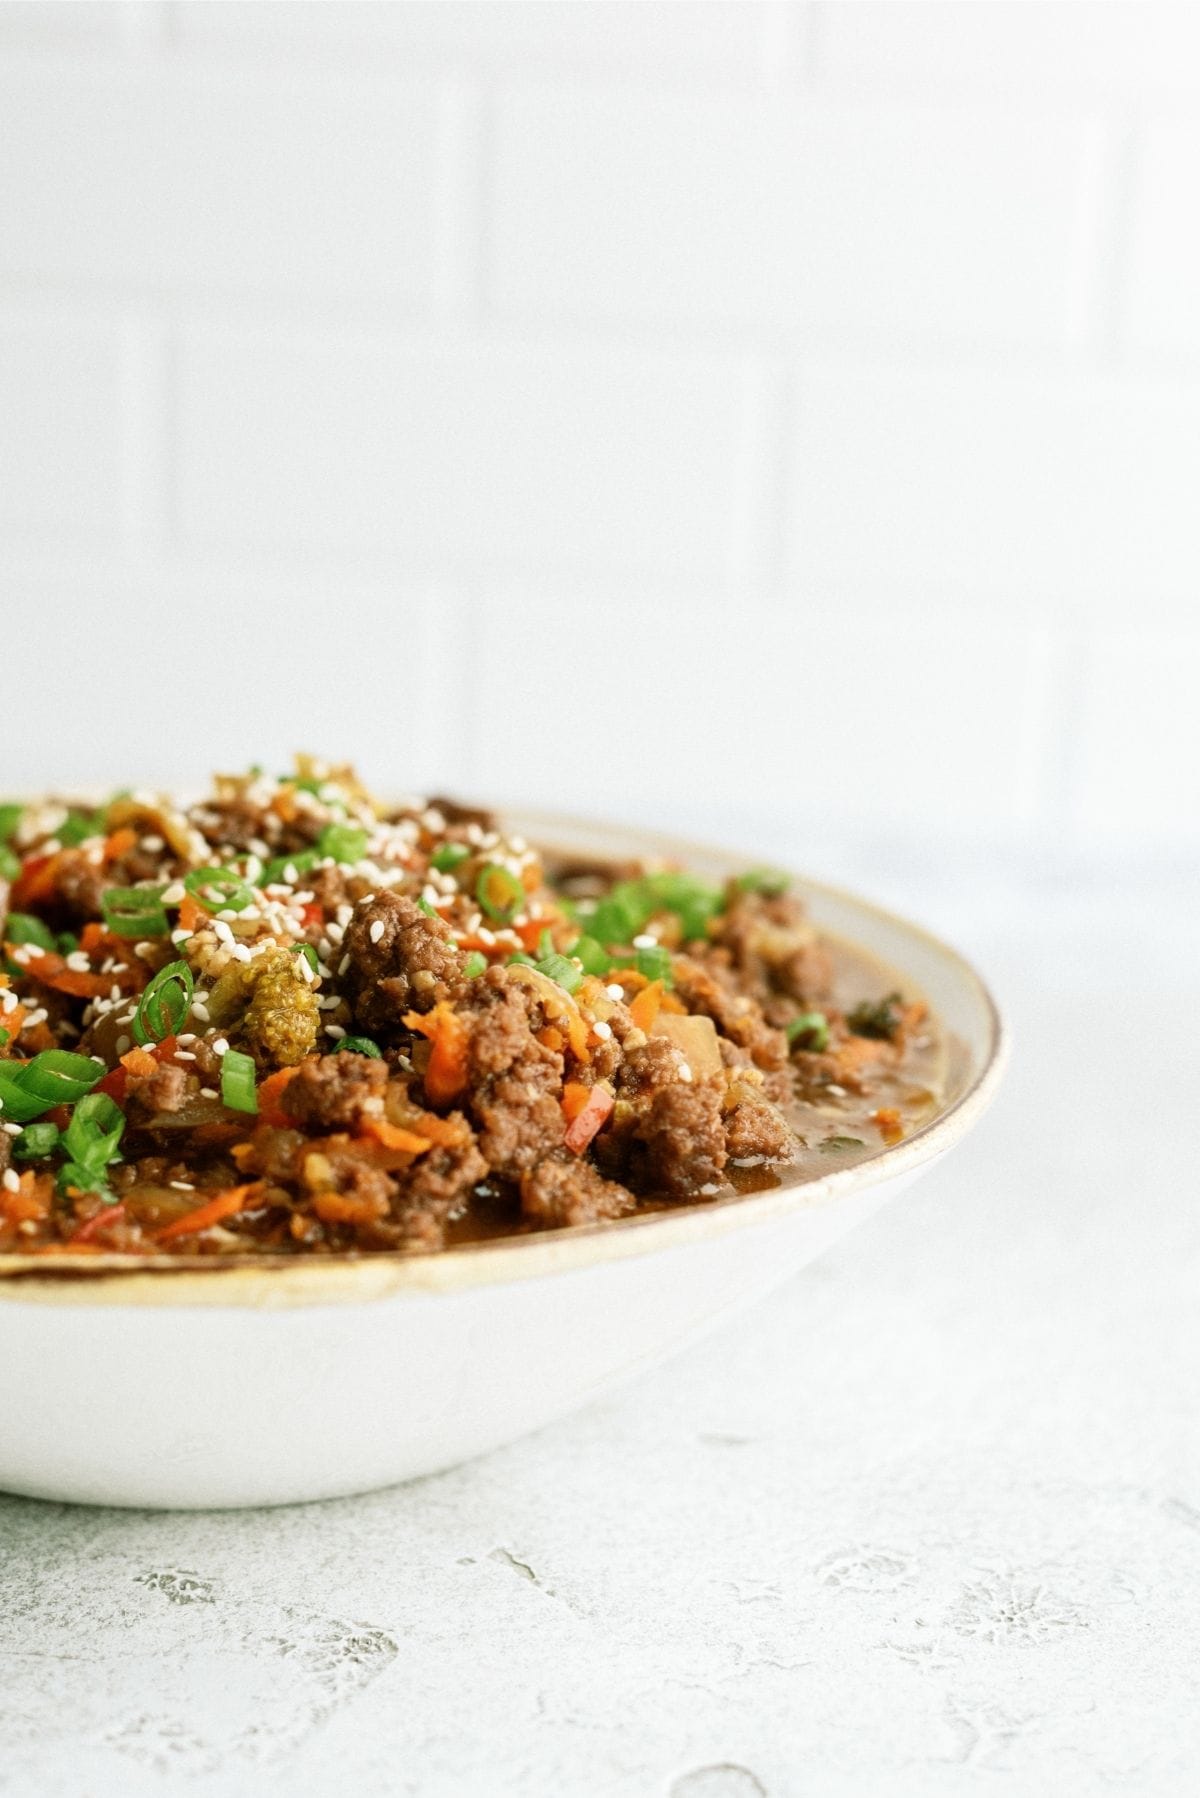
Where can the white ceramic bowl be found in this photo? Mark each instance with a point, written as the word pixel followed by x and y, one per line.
pixel 215 1385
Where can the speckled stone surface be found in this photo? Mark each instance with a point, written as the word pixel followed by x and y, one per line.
pixel 925 1521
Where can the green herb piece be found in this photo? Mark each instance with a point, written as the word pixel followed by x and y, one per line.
pixel 164 1005
pixel 448 857
pixel 286 870
pixel 655 964
pixel 78 826
pixel 500 894
pixel 770 882
pixel 309 954
pixel 519 959
pixel 358 1045
pixel 809 1031
pixel 217 890
pixel 135 911
pixel 563 972
pixel 837 1145
pixel 91 1141
pixel 880 1020
pixel 238 1089
pixel 424 905
pixel 4 1037
pixel 10 863
pixel 475 965
pixel 35 1141
pixel 10 817
pixel 22 927
pixel 595 960
pixel 343 842
pixel 66 942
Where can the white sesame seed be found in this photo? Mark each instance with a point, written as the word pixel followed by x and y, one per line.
pixel 685 1072
pixel 12 1129
pixel 615 992
pixel 709 1188
pixel 200 1010
pixel 78 962
pixel 12 1180
pixel 208 1092
pixel 241 952
pixel 220 1046
pixel 343 964
pixel 376 930
pixel 175 894
pixel 602 1030
pixel 335 1030
pixel 114 993
pixel 36 1017
pixel 180 936
pixel 181 1185
pixel 184 1054
pixel 645 941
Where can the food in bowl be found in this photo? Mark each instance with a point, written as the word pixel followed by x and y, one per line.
pixel 287 1021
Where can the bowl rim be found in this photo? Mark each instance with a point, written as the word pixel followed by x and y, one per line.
pixel 286 1282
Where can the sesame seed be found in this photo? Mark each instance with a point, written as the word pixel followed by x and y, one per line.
pixel 175 894
pixel 181 1185
pixel 78 962
pixel 376 930
pixel 180 936
pixel 335 1030
pixel 685 1072
pixel 220 1046
pixel 12 1129
pixel 200 1010
pixel 602 1030
pixel 615 992
pixel 344 964
pixel 208 1092
pixel 645 941
pixel 12 1180
pixel 184 1055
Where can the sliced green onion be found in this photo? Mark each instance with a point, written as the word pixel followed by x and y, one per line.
pixel 238 1089
pixel 10 817
pixel 595 959
pixel 499 892
pixel 24 928
pixel 545 944
pixel 357 1045
pixel 4 1037
pixel 55 1077
pixel 448 857
pixel 66 942
pixel 655 964
pixel 218 890
pixel 424 905
pixel 35 1141
pixel 519 959
pixel 809 1031
pixel 475 965
pixel 164 1005
pixel 10 863
pixel 78 826
pixel 563 972
pixel 770 882
pixel 618 918
pixel 343 842
pixel 285 870
pixel 309 954
pixel 135 911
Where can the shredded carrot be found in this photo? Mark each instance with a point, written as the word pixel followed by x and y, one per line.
pixel 14 1022
pixel 222 1205
pixel 887 1122
pixel 348 1208
pixel 530 931
pixel 191 913
pixel 27 1204
pixel 584 1125
pixel 37 880
pixel 91 937
pixel 49 969
pixel 120 843
pixel 446 1075
pixel 645 1008
pixel 575 1097
pixel 551 1038
pixel 111 1214
pixel 393 1136
pixel 270 1097
pixel 140 1063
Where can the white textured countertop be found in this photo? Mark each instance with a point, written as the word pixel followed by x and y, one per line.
pixel 927 1520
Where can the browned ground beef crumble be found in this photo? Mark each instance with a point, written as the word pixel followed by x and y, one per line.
pixel 304 1024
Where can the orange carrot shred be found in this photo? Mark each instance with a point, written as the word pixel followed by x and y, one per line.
pixel 220 1206
pixel 646 1006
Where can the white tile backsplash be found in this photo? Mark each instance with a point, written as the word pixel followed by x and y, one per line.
pixel 775 417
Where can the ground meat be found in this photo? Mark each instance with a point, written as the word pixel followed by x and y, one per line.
pixel 400 960
pixel 343 1171
pixel 237 823
pixel 335 1092
pixel 563 1189
pixel 164 1090
pixel 755 1127
pixel 515 1081
pixel 735 1015
pixel 772 947
pixel 439 1185
pixel 81 885
pixel 684 1138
